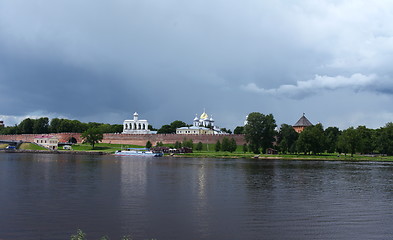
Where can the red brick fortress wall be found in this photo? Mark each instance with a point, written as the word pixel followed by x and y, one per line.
pixel 141 139
pixel 63 137
pixel 135 139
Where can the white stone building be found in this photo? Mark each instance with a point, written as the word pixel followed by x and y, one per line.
pixel 47 141
pixel 201 125
pixel 136 126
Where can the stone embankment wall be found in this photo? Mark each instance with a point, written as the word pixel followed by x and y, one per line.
pixel 136 139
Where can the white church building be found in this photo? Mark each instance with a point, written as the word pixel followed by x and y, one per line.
pixel 202 125
pixel 136 126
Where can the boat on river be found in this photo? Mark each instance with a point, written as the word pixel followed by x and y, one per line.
pixel 142 152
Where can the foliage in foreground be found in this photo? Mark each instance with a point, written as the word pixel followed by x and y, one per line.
pixel 80 235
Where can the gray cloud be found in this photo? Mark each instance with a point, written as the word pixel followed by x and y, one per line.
pixel 303 89
pixel 101 61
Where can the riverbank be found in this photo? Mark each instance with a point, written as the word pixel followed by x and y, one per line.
pixel 105 148
pixel 302 157
pixel 53 152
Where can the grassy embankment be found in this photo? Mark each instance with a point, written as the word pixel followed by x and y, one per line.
pixel 30 146
pixel 3 145
pixel 208 151
pixel 100 147
pixel 330 157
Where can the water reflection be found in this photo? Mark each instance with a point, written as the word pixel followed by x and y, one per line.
pixel 50 196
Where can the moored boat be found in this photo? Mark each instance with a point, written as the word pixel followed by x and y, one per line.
pixel 138 152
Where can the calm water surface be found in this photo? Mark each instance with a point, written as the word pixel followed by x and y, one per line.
pixel 51 196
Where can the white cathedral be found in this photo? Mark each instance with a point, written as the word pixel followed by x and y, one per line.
pixel 201 125
pixel 136 126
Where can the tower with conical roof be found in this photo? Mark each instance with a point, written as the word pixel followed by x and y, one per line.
pixel 301 124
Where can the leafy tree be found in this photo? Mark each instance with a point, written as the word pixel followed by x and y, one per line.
pixel 225 145
pixel 168 129
pixel 332 134
pixel 366 139
pixel 165 129
pixel 384 139
pixel 54 125
pixel 199 146
pixel 348 141
pixel 148 145
pixel 312 139
pixel 245 148
pixel 26 126
pixel 9 130
pixel 177 144
pixel 238 130
pixel 232 145
pixel 286 138
pixel 177 124
pixel 117 128
pixel 188 143
pixel 217 147
pixel 65 126
pixel 226 130
pixel 259 131
pixel 92 136
pixel 150 127
pixel 41 125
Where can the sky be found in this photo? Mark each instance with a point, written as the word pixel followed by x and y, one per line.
pixel 101 61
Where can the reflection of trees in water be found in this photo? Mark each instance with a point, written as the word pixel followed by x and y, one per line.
pixel 259 175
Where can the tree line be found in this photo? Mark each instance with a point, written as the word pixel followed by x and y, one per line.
pixel 315 140
pixel 57 125
pixel 261 134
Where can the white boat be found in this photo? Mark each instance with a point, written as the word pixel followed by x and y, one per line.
pixel 138 152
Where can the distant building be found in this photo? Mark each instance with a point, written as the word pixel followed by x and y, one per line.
pixel 201 125
pixel 47 141
pixel 136 126
pixel 301 124
pixel 194 130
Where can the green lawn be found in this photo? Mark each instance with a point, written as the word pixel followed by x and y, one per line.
pixel 208 151
pixel 30 146
pixel 101 147
pixel 330 157
pixel 3 145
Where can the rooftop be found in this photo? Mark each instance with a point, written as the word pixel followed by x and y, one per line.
pixel 303 122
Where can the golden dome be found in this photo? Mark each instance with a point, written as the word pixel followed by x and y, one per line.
pixel 204 116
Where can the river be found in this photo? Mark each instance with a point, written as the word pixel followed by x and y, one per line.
pixel 45 196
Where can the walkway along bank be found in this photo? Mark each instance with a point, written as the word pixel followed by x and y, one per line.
pixel 135 139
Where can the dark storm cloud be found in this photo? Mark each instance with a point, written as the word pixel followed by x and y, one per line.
pixel 55 86
pixel 101 61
